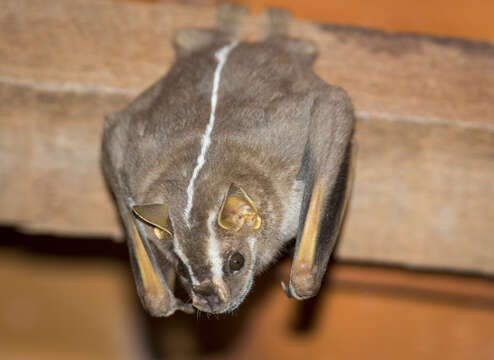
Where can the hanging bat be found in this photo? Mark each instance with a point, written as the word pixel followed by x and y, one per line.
pixel 237 150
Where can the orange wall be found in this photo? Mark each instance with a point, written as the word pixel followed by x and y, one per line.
pixel 472 19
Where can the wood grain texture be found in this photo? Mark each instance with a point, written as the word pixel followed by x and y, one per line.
pixel 50 174
pixel 423 192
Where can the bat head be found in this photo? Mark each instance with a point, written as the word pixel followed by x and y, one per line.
pixel 213 246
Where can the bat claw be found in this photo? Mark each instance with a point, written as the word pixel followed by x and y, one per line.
pixel 286 290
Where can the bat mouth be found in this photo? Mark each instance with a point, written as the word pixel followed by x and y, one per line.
pixel 210 296
pixel 229 305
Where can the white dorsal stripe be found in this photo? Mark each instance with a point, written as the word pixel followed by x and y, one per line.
pixel 221 56
pixel 214 253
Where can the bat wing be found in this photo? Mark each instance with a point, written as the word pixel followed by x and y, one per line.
pixel 325 170
pixel 154 278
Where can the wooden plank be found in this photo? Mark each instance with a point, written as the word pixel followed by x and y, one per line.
pixel 425 128
pixel 49 151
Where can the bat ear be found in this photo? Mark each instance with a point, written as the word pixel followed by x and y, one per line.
pixel 238 210
pixel 155 215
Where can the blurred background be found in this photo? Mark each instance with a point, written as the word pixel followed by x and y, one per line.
pixel 412 276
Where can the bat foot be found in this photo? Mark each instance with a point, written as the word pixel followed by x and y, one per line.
pixel 228 17
pixel 277 21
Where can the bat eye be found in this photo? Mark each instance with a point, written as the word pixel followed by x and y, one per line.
pixel 236 262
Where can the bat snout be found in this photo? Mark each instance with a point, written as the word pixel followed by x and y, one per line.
pixel 209 298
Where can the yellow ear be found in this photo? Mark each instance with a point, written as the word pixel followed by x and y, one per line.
pixel 155 215
pixel 238 210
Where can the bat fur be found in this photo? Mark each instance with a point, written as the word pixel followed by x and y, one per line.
pixel 250 119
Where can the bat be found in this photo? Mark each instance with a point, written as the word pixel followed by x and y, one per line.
pixel 237 150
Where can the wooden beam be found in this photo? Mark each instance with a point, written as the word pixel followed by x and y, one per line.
pixel 423 193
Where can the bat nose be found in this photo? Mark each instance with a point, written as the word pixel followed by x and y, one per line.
pixel 208 298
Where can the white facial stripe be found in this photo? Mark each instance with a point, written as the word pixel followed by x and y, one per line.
pixel 214 253
pixel 178 250
pixel 221 57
